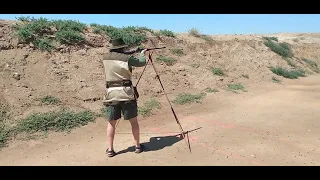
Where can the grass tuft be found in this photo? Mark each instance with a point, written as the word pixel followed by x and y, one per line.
pixel 169 61
pixel 63 120
pixel 148 107
pixel 185 98
pixel 217 71
pixel 49 100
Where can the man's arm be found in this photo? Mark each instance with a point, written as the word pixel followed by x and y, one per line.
pixel 138 62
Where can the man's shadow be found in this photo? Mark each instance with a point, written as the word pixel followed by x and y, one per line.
pixel 156 143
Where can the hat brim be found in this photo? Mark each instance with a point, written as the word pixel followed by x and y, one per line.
pixel 118 47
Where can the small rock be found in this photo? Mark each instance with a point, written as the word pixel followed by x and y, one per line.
pixel 181 68
pixel 56 71
pixel 31 45
pixel 4 45
pixel 7 66
pixel 23 62
pixel 16 76
pixel 65 61
pixel 25 55
pixel 62 47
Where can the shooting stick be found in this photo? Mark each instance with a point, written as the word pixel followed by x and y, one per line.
pixel 175 116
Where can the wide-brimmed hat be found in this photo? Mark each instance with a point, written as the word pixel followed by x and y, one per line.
pixel 117 43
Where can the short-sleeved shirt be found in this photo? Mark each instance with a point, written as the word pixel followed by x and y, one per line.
pixel 137 62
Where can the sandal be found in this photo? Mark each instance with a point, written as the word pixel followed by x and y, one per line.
pixel 140 149
pixel 110 153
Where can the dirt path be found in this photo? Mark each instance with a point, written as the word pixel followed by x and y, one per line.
pixel 274 125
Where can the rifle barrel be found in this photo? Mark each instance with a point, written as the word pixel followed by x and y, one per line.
pixel 138 49
pixel 155 48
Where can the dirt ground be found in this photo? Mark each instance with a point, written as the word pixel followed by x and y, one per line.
pixel 270 124
pixel 277 124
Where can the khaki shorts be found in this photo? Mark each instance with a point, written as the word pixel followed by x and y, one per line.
pixel 129 110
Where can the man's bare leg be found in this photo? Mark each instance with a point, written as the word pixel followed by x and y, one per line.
pixel 135 131
pixel 110 133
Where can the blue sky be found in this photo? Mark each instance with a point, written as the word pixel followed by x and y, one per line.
pixel 205 23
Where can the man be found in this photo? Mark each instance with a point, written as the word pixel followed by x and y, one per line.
pixel 120 97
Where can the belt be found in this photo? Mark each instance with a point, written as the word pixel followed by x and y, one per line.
pixel 118 83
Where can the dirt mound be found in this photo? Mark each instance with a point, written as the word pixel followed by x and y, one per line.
pixel 73 74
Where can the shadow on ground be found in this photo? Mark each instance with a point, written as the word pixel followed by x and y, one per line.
pixel 155 143
pixel 158 143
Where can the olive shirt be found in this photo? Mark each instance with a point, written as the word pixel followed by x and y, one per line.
pixel 137 62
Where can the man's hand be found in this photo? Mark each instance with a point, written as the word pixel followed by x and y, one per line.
pixel 144 52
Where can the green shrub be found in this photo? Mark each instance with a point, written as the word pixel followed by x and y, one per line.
pixel 271 38
pixel 314 66
pixel 293 74
pixel 70 32
pixel 289 61
pixel 25 18
pixel 63 120
pixel 43 44
pixel 166 32
pixel 69 37
pixel 69 25
pixel 217 71
pixel 169 61
pixel 49 100
pixel 4 135
pixel 97 31
pixel 283 49
pixel 37 31
pixel 145 112
pixel 178 52
pixel 4 117
pixel 130 35
pixel 206 37
pixel 194 32
pixel 148 107
pixel 210 90
pixel 4 112
pixel 275 80
pixel 235 87
pixel 25 35
pixel 185 98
